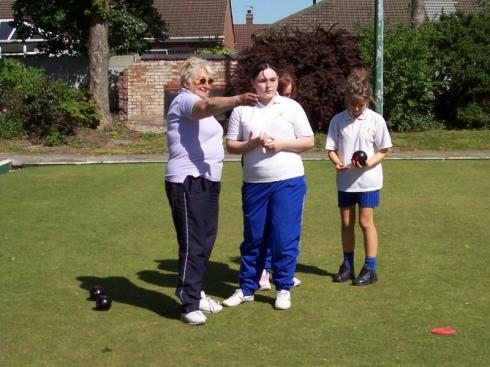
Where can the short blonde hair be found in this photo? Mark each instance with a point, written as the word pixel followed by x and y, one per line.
pixel 191 66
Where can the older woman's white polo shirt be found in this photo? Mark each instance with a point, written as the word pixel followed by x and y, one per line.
pixel 369 133
pixel 195 148
pixel 283 118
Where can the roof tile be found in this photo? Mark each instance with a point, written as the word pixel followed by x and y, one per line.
pixel 356 14
pixel 244 32
pixel 202 17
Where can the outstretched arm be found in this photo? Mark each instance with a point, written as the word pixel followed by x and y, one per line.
pixel 215 105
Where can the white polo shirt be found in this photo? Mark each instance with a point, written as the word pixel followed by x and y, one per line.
pixel 283 118
pixel 369 133
pixel 195 148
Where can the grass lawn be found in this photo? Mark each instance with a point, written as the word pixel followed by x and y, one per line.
pixel 65 229
pixel 122 141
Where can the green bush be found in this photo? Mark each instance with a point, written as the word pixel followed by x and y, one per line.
pixel 473 116
pixel 462 54
pixel 10 126
pixel 33 105
pixel 437 75
pixel 409 76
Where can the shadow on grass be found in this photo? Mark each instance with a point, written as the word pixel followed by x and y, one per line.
pixel 300 268
pixel 216 281
pixel 312 269
pixel 122 290
pixel 220 281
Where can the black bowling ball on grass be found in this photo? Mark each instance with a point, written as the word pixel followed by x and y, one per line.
pixel 95 292
pixel 103 302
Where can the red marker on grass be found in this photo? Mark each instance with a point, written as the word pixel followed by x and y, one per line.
pixel 444 331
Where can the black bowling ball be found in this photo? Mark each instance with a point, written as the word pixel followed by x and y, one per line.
pixel 103 302
pixel 95 292
pixel 360 157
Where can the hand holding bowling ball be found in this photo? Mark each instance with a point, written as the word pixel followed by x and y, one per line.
pixel 359 158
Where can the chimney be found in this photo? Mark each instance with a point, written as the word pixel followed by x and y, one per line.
pixel 249 18
pixel 314 2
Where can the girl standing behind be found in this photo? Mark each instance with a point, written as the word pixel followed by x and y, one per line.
pixel 358 128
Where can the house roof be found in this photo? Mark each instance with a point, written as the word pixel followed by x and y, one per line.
pixel 6 11
pixel 203 18
pixel 244 32
pixel 434 8
pixel 356 14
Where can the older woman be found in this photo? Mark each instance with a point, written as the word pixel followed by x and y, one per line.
pixel 270 136
pixel 192 180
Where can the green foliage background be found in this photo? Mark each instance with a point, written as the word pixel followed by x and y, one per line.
pixel 45 110
pixel 463 54
pixel 437 75
pixel 65 24
pixel 320 60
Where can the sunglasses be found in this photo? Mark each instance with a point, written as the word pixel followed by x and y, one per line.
pixel 203 81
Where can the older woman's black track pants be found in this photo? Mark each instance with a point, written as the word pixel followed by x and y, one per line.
pixel 194 204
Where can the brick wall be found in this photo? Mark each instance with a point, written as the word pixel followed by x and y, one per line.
pixel 142 88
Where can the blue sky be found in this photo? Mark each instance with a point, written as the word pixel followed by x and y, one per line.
pixel 267 11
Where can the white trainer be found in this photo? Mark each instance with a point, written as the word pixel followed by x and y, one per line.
pixel 297 282
pixel 193 318
pixel 264 282
pixel 207 304
pixel 237 298
pixel 283 300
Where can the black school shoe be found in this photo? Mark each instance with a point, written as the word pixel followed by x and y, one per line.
pixel 345 273
pixel 366 276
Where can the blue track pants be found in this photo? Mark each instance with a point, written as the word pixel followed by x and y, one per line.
pixel 272 214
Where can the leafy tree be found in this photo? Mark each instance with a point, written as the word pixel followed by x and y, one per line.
pixel 462 45
pixel 83 27
pixel 320 60
pixel 409 76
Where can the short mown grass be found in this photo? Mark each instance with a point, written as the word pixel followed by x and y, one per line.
pixel 65 229
pixel 122 141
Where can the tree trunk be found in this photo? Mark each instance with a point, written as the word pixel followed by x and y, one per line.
pixel 418 13
pixel 98 60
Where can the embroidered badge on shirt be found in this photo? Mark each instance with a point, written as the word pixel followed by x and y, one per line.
pixel 281 114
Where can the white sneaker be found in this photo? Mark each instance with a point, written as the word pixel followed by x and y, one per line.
pixel 193 318
pixel 283 300
pixel 237 298
pixel 207 304
pixel 264 281
pixel 297 282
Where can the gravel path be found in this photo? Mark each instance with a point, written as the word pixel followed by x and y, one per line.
pixel 23 160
